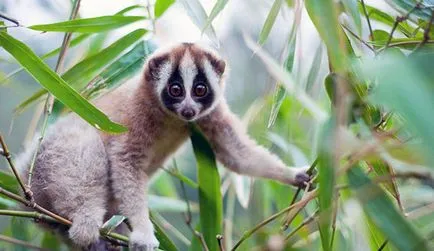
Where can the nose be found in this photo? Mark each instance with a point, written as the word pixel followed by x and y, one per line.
pixel 188 113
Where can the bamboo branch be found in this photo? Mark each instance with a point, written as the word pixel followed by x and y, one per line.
pixel 49 102
pixel 304 223
pixel 309 172
pixel 5 152
pixel 311 195
pixel 57 218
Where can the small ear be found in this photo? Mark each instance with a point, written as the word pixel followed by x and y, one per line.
pixel 155 63
pixel 218 65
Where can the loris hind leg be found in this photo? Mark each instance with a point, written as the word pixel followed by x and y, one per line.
pixel 71 172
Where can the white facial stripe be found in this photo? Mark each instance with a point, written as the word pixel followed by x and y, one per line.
pixel 164 74
pixel 213 80
pixel 188 72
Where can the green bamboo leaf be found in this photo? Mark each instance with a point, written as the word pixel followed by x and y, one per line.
pixel 210 198
pixel 161 6
pixel 324 16
pixel 269 22
pixel 167 204
pixel 74 42
pixel 124 67
pixel 326 180
pixel 8 182
pixel 80 74
pixel 403 43
pixel 89 25
pixel 112 224
pixel 198 15
pixel 36 97
pixel 382 168
pixel 56 85
pixel 83 72
pixel 383 213
pixel 218 7
pixel 166 243
pixel 351 7
pixel 130 8
pixel 50 241
pixel 407 5
pixel 314 69
pixel 394 75
pixel 378 15
pixel 280 93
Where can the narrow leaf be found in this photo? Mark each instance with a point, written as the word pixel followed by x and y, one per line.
pixel 199 17
pixel 285 77
pixel 326 180
pixel 83 72
pixel 161 6
pixel 218 7
pixel 165 243
pixel 89 25
pixel 112 224
pixel 324 16
pixel 56 85
pixel 210 198
pixel 124 67
pixel 269 22
pixel 383 213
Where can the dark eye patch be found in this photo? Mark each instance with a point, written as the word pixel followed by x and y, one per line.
pixel 170 101
pixel 201 79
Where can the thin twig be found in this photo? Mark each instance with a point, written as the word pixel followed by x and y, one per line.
pixel 383 245
pixel 188 218
pixel 311 195
pixel 7 155
pixel 426 34
pixel 20 243
pixel 399 20
pixel 304 223
pixel 49 102
pixel 309 172
pixel 367 20
pixel 12 20
pixel 358 38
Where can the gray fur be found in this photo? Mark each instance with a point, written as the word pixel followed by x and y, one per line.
pixel 86 175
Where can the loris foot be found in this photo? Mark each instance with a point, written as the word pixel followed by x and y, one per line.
pixel 141 241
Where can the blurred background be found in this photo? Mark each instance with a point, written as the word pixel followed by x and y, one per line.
pixel 277 119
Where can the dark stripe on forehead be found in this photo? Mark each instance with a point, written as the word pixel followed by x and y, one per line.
pixel 200 54
pixel 201 78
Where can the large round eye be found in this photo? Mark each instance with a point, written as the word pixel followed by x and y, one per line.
pixel 200 90
pixel 175 90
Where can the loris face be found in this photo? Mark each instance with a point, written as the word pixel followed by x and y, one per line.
pixel 187 80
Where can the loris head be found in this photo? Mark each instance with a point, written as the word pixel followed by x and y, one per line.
pixel 187 80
